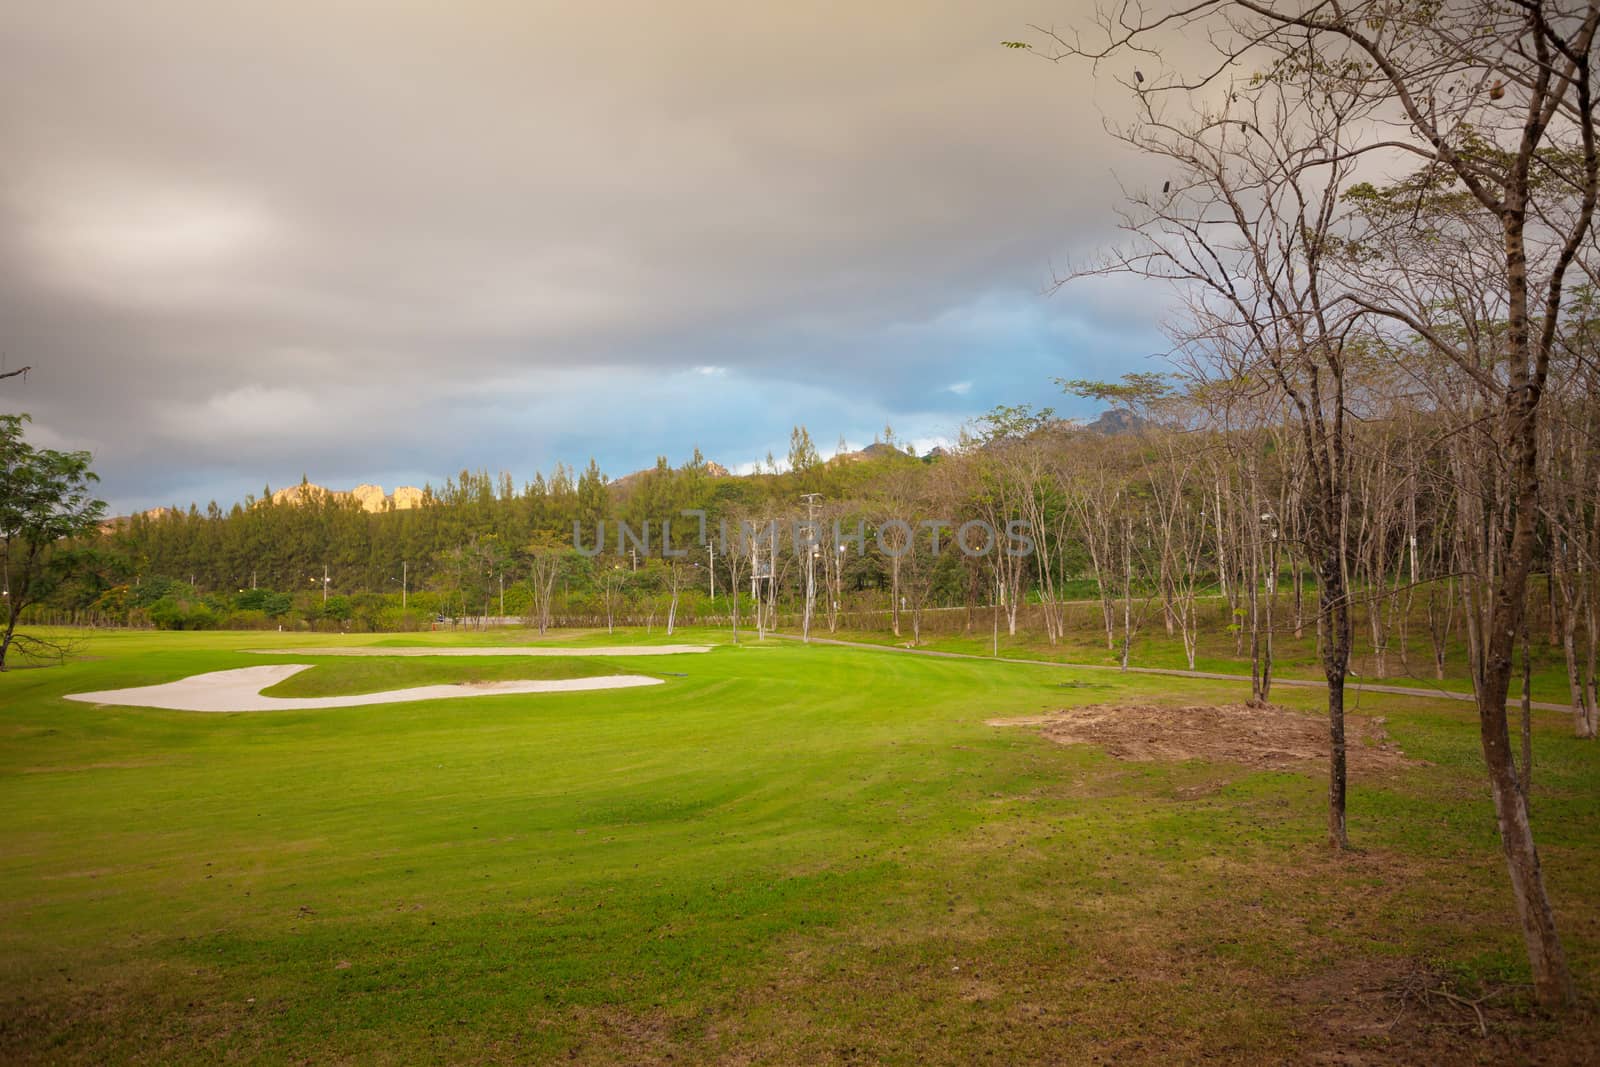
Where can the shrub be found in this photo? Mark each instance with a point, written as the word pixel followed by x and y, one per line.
pixel 170 613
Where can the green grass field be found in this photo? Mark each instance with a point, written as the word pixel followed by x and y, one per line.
pixel 787 854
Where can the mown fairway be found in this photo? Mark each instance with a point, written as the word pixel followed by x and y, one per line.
pixel 788 854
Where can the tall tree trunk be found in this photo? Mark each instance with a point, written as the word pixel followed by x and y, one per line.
pixel 1335 665
pixel 1508 604
pixel 894 593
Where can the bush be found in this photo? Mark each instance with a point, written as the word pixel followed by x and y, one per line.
pixel 170 613
pixel 251 599
pixel 263 600
pixel 114 601
pixel 148 593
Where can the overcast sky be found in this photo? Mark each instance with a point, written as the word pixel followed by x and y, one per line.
pixel 385 241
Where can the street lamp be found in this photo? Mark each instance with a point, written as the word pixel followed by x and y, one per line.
pixel 325 581
pixel 402 584
pixel 1270 521
pixel 812 500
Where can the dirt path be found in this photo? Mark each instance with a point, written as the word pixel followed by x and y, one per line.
pixel 1352 686
pixel 240 690
pixel 484 650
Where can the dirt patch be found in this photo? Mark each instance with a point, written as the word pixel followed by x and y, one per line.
pixel 1365 1012
pixel 1269 737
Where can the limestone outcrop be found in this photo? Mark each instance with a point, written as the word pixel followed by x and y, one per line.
pixel 304 493
pixel 370 497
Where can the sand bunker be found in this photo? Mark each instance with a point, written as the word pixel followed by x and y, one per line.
pixel 485 650
pixel 1271 737
pixel 240 690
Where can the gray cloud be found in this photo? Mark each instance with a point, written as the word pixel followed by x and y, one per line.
pixel 388 240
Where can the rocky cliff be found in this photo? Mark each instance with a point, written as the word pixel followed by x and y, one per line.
pixel 370 497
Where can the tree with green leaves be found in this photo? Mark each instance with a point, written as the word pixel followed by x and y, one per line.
pixel 802 453
pixel 45 500
pixel 592 503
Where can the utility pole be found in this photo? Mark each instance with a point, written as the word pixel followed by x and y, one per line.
pixel 811 500
pixel 325 581
pixel 502 596
pixel 711 565
pixel 405 567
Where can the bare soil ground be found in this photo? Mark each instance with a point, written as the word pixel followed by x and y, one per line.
pixel 1369 1012
pixel 1267 737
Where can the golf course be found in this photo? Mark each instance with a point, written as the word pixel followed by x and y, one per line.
pixel 920 534
pixel 775 853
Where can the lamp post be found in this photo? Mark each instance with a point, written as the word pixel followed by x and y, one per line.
pixel 1261 667
pixel 811 500
pixel 1270 521
pixel 402 581
pixel 838 589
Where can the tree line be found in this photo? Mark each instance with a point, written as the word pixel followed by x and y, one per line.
pixel 1198 518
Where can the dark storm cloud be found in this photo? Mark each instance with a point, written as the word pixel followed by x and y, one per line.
pixel 385 241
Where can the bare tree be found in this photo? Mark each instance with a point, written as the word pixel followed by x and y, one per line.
pixel 1243 228
pixel 1171 472
pixel 895 535
pixel 835 554
pixel 546 560
pixel 1496 98
pixel 1498 101
pixel 735 556
pixel 674 582
pixel 1570 500
pixel 1094 494
pixel 997 486
pixel 613 582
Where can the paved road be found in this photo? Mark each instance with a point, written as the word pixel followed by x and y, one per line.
pixel 1353 686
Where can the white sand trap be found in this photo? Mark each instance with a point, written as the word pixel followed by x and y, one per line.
pixel 485 650
pixel 240 690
